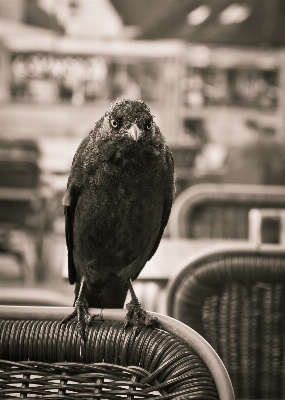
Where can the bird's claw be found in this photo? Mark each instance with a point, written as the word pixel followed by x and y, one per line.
pixel 135 312
pixel 83 316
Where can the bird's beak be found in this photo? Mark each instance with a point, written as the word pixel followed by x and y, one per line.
pixel 134 131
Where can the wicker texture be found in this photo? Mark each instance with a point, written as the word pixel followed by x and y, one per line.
pixel 209 211
pixel 237 303
pixel 40 360
pixel 216 220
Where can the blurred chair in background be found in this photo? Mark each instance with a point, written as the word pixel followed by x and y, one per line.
pixel 23 206
pixel 38 358
pixel 220 211
pixel 234 296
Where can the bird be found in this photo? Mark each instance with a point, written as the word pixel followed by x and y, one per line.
pixel 118 199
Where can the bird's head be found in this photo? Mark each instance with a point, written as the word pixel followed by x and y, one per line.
pixel 129 119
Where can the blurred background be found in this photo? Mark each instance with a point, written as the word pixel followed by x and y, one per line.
pixel 212 72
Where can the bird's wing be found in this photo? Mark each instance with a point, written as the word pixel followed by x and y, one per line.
pixel 69 216
pixel 70 201
pixel 168 200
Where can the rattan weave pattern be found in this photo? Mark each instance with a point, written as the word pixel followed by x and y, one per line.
pixel 252 347
pixel 40 360
pixel 216 221
pixel 220 211
pixel 237 304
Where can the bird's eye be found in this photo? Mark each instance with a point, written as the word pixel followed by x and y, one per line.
pixel 148 125
pixel 114 123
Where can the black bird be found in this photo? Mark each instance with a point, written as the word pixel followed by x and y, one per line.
pixel 118 199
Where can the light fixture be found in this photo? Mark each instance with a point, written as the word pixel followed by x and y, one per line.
pixel 234 14
pixel 199 15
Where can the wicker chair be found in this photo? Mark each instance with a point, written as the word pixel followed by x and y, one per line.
pixel 22 206
pixel 42 360
pixel 234 296
pixel 220 211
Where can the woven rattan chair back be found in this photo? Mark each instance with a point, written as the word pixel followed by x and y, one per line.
pixel 220 211
pixel 234 297
pixel 42 360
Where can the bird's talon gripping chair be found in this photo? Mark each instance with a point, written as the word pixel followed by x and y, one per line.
pixel 40 359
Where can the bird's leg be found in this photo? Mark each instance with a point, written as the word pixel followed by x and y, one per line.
pixel 81 310
pixel 135 311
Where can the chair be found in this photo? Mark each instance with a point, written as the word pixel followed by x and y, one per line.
pixel 40 359
pixel 234 296
pixel 22 207
pixel 220 211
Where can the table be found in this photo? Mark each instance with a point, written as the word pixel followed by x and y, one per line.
pixel 170 253
pixel 150 286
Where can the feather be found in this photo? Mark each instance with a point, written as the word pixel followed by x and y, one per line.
pixel 118 200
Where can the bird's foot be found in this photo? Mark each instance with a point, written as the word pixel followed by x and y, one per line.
pixel 135 313
pixel 83 317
